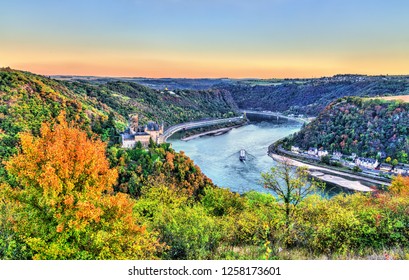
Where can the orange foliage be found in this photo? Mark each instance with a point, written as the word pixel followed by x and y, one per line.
pixel 169 160
pixel 63 161
pixel 400 186
pixel 69 208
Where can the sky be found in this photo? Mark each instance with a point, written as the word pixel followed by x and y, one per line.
pixel 205 38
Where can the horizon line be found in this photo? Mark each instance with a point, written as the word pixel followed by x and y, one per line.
pixel 209 78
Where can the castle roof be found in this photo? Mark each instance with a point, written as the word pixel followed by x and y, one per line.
pixel 152 126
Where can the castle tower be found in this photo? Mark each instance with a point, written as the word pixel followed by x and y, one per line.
pixel 162 129
pixel 133 124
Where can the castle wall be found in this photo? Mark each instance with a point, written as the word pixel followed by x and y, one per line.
pixel 144 139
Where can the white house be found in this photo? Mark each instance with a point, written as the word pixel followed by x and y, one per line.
pixel 369 163
pixel 295 149
pixel 337 155
pixel 322 153
pixel 402 169
pixel 385 167
pixel 312 152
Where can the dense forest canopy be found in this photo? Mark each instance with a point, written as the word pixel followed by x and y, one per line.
pixel 160 106
pixel 367 127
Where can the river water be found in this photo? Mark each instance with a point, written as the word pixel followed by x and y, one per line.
pixel 218 156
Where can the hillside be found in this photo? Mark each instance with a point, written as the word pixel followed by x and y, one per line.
pixel 161 106
pixel 311 96
pixel 362 126
pixel 27 100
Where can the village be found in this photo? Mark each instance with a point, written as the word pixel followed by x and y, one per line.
pixel 368 166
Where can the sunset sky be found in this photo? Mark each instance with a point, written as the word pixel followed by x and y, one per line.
pixel 205 38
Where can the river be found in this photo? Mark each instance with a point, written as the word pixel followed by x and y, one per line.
pixel 218 156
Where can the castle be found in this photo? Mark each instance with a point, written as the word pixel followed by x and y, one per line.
pixel 143 134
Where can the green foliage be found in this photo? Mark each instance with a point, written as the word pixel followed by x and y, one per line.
pixel 127 98
pixel 187 229
pixel 325 159
pixel 140 167
pixel 356 169
pixel 28 100
pixel 220 202
pixel 12 246
pixel 190 233
pixel 290 185
pixel 367 127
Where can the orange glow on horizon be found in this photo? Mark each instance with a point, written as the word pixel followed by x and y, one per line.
pixel 148 72
pixel 189 65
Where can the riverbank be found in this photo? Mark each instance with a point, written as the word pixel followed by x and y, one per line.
pixel 215 132
pixel 341 179
pixel 197 125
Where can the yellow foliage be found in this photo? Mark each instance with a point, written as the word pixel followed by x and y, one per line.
pixel 400 186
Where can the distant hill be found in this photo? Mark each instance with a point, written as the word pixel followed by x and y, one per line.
pixel 160 83
pixel 362 126
pixel 306 96
pixel 311 96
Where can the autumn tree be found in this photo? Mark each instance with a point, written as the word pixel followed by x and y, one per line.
pixel 66 205
pixel 400 186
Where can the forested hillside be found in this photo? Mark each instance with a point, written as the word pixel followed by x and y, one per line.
pixel 362 126
pixel 311 96
pixel 160 106
pixel 27 100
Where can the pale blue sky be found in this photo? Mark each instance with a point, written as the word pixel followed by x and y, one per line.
pixel 238 38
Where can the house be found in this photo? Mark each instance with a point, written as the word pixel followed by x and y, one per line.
pixel 312 152
pixel 336 155
pixel 136 133
pixel 369 163
pixel 402 169
pixel 295 149
pixel 322 153
pixel 384 167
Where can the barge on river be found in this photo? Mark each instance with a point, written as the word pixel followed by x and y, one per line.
pixel 242 156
